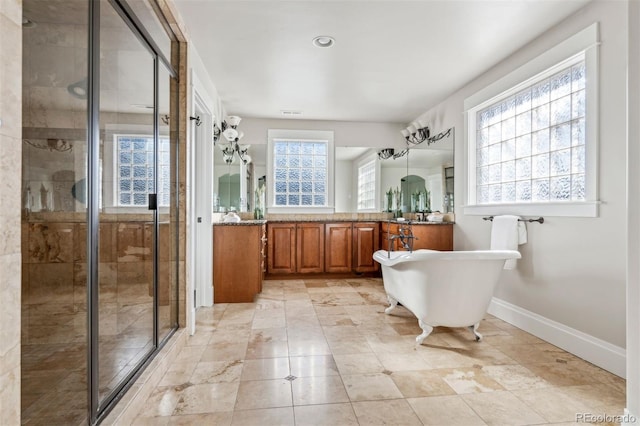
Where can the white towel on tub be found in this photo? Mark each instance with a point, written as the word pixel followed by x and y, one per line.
pixel 507 233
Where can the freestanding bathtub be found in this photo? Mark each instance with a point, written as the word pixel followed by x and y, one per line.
pixel 442 288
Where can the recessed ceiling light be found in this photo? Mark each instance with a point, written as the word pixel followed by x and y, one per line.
pixel 290 113
pixel 323 41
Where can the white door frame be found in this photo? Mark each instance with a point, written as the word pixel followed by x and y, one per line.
pixel 199 202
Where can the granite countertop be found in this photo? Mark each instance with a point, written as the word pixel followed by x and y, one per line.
pixel 241 223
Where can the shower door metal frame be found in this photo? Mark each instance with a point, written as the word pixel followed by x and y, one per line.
pixel 97 410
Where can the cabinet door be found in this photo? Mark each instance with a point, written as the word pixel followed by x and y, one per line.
pixel 365 243
pixel 281 244
pixel 236 258
pixel 388 229
pixel 310 247
pixel 338 242
pixel 433 237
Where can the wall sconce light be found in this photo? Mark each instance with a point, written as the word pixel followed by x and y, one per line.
pixel 386 153
pixel 416 133
pixel 58 145
pixel 228 128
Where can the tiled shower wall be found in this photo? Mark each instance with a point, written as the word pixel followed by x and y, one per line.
pixel 54 268
pixel 10 163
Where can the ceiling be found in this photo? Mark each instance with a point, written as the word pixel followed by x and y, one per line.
pixel 391 62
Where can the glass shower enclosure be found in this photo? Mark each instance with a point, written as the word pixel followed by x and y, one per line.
pixel 99 219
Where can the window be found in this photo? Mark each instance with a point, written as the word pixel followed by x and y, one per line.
pixel 530 146
pixel 300 164
pixel 532 136
pixel 367 186
pixel 300 173
pixel 134 165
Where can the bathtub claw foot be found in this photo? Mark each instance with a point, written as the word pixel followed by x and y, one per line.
pixel 392 304
pixel 426 331
pixel 474 330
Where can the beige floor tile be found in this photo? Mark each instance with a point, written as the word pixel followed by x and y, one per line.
pixel 267 350
pixel 224 352
pixel 191 354
pixel 537 353
pixel 268 335
pixel 563 374
pixel 344 330
pixel 217 419
pixel 515 377
pixel 150 421
pixel 554 404
pixel 600 398
pixel 161 402
pixel 358 363
pixel 333 320
pixel 305 332
pixel 502 409
pixel 265 368
pixel 403 362
pixel 318 390
pixel 349 345
pixel 415 384
pixel 325 414
pixel 178 373
pixel 313 366
pixel 200 338
pixel 301 347
pixel 265 416
pixel 444 410
pixel 370 387
pixel 207 398
pixel 217 372
pixel 264 394
pixel 391 412
pixel 468 380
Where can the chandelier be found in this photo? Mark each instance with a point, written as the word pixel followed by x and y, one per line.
pixel 231 149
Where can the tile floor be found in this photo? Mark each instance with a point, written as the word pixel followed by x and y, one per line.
pixel 322 352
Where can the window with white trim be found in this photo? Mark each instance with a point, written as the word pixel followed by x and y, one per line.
pixel 367 186
pixel 532 136
pixel 530 146
pixel 300 171
pixel 135 169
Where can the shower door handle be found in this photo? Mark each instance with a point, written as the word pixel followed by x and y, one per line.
pixel 153 201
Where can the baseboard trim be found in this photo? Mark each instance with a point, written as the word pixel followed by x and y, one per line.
pixel 603 354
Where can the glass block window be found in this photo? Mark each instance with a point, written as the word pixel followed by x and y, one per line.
pixel 300 173
pixel 134 176
pixel 530 145
pixel 367 186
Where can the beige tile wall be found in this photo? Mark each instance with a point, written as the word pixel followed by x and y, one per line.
pixel 10 167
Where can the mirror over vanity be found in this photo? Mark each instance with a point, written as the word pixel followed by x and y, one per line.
pixel 421 180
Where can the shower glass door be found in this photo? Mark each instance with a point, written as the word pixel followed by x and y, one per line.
pixel 127 225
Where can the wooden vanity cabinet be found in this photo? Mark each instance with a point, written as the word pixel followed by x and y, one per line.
pixel 365 242
pixel 281 245
pixel 428 236
pixel 434 237
pixel 318 247
pixel 310 248
pixel 338 246
pixel 237 263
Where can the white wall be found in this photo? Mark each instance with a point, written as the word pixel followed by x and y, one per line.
pixel 633 213
pixel 346 133
pixel 573 269
pixel 344 199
